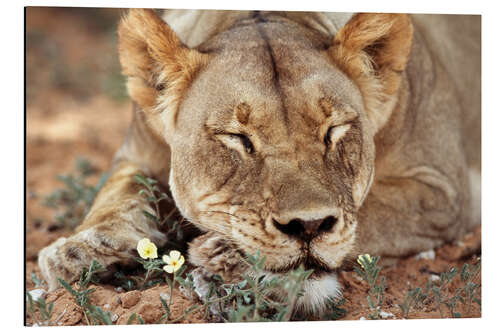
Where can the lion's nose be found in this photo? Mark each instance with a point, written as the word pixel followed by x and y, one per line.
pixel 306 230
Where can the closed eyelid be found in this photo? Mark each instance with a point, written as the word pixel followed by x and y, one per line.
pixel 342 117
pixel 239 142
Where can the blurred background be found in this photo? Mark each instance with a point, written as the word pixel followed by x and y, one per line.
pixel 76 101
pixel 76 106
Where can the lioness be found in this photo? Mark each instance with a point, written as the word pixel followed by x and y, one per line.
pixel 311 137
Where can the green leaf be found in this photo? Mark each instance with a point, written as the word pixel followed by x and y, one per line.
pixel 165 306
pixel 150 216
pixel 67 286
pixel 131 318
pixel 242 284
pixel 169 281
pixel 36 280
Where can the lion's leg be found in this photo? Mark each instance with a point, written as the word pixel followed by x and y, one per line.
pixel 109 233
pixel 406 215
pixel 212 252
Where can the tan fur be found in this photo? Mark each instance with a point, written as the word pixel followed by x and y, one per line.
pixel 373 49
pixel 156 63
pixel 278 117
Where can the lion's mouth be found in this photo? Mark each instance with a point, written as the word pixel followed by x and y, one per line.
pixel 308 262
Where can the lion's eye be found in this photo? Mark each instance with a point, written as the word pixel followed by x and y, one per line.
pixel 246 143
pixel 327 140
pixel 334 133
pixel 237 141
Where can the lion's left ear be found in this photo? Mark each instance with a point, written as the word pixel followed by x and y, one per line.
pixel 373 50
pixel 156 63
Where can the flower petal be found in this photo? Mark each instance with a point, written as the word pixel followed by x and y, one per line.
pixel 141 247
pixel 166 259
pixel 142 243
pixel 174 255
pixel 168 268
pixel 181 261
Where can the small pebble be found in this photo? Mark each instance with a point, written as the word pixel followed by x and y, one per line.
pixel 119 289
pixel 430 255
pixel 362 318
pixel 36 294
pixel 385 315
pixel 434 277
pixel 114 317
pixel 106 306
pixel 130 299
pixel 165 297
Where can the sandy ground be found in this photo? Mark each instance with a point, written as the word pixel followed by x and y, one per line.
pixel 73 109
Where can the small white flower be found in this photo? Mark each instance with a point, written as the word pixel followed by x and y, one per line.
pixel 147 249
pixel 173 262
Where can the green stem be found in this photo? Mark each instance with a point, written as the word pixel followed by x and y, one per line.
pixel 86 318
pixel 148 275
pixel 172 290
pixel 257 302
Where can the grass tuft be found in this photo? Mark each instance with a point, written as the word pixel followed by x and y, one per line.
pixel 73 201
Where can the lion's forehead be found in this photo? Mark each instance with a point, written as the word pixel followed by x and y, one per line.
pixel 279 106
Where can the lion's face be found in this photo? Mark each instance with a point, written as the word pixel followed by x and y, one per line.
pixel 270 125
pixel 273 150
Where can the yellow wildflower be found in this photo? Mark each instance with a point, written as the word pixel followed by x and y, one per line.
pixel 147 249
pixel 173 261
pixel 365 257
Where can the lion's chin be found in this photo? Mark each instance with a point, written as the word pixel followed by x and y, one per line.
pixel 318 290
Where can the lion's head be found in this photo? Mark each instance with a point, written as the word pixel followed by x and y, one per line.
pixel 271 126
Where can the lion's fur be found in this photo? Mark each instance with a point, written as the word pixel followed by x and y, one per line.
pixel 394 173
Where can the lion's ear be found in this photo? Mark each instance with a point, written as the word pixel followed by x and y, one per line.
pixel 373 50
pixel 154 59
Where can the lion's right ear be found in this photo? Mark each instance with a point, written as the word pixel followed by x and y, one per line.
pixel 155 61
pixel 373 49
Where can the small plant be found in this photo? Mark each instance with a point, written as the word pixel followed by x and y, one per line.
pixel 94 315
pixel 174 262
pixel 155 196
pixel 369 271
pixel 468 275
pixel 335 311
pixel 44 311
pixel 438 292
pixel 149 253
pixel 136 317
pixel 466 294
pixel 36 281
pixel 73 201
pixel 410 301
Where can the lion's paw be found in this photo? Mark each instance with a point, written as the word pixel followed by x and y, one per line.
pixel 65 259
pixel 217 256
pixel 51 266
